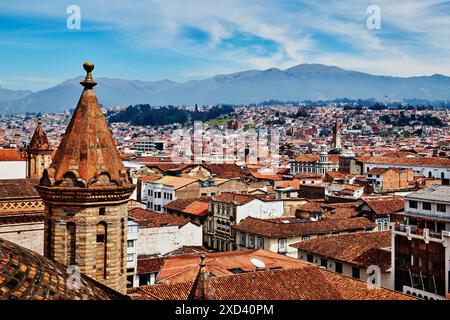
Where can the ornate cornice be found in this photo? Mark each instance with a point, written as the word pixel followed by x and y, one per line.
pixel 75 196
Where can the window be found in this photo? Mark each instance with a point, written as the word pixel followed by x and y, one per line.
pixel 310 258
pixel 242 239
pixel 101 250
pixel 130 243
pixel 338 267
pixel 236 270
pixel 130 257
pixel 323 262
pixel 132 229
pixel 251 241
pixel 426 206
pixel 70 242
pixel 441 207
pixel 413 204
pixel 282 245
pixel 355 272
pixel 261 242
pixel 101 211
pixel 157 207
pixel 305 238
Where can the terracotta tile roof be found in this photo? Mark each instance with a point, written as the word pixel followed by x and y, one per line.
pixel 308 157
pixel 228 197
pixel 225 170
pixel 193 206
pixel 307 175
pixel 176 291
pixel 180 204
pixel 240 199
pixel 308 282
pixel 175 182
pixel 185 267
pixel 164 166
pixel 264 176
pixel 363 249
pixel 278 228
pixel 197 208
pixel 18 189
pixel 385 205
pixel 377 171
pixel 287 184
pixel 342 213
pixel 283 171
pixel 26 275
pixel 425 162
pixel 149 265
pixel 339 175
pixel 12 155
pixel 151 219
pixel 147 160
pixel 310 206
pixel 150 178
pixel 314 157
pixel 352 204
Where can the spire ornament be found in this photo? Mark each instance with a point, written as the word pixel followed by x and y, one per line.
pixel 88 82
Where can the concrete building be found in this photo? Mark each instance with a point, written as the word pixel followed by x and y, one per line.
pixel 132 254
pixel 13 164
pixel 160 233
pixel 228 209
pixel 158 193
pixel 315 163
pixel 421 244
pixel 195 209
pixel 389 179
pixel 438 168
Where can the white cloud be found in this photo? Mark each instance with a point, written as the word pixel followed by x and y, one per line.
pixel 414 38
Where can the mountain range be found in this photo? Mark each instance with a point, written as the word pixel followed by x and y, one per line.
pixel 302 82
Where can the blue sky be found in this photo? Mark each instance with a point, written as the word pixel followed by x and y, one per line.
pixel 194 39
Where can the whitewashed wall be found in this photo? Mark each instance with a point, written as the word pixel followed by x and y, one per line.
pixel 13 169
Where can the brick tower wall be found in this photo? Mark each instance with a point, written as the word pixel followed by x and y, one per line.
pixel 37 163
pixel 86 244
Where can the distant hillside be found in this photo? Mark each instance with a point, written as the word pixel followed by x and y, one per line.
pixel 6 95
pixel 302 82
pixel 145 115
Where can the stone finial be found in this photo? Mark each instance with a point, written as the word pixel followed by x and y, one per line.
pixel 88 82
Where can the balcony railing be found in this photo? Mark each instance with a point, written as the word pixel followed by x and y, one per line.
pixel 413 231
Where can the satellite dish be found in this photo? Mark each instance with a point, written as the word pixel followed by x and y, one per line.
pixel 258 263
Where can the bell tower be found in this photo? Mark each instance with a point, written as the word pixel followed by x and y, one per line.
pixel 86 191
pixel 39 153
